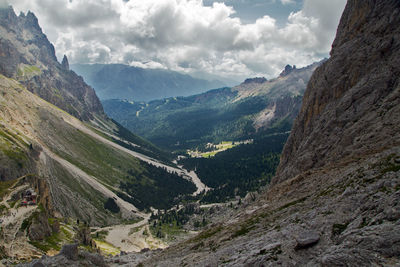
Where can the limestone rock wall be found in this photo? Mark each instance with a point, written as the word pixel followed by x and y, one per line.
pixel 351 106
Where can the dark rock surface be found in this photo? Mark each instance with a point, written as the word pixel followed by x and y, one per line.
pixel 307 239
pixel 65 63
pixel 70 251
pixel 37 263
pixel 352 103
pixel 40 228
pixel 70 256
pixel 288 69
pixel 255 80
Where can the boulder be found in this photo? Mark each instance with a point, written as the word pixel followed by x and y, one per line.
pixel 307 239
pixel 70 251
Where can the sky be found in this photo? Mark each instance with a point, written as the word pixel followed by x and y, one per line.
pixel 234 39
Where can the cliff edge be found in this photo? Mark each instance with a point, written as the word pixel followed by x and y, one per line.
pixel 352 103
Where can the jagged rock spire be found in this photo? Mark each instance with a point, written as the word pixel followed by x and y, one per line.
pixel 65 63
pixel 288 69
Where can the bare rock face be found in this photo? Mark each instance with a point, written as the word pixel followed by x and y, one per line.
pixel 40 228
pixel 306 239
pixel 70 251
pixel 65 63
pixel 352 103
pixel 27 56
pixel 288 69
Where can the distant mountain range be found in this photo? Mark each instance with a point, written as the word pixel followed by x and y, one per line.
pixel 117 81
pixel 235 113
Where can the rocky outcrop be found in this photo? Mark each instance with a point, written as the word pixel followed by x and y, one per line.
pixel 65 63
pixel 352 103
pixel 306 239
pixel 70 251
pixel 288 69
pixel 69 255
pixel 40 227
pixel 255 80
pixel 27 55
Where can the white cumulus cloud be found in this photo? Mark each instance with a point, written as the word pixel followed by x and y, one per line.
pixel 185 35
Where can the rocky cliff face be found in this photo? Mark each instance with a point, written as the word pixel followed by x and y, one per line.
pixel 351 106
pixel 27 56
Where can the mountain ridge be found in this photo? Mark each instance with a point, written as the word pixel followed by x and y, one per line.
pixel 218 115
pixel 138 84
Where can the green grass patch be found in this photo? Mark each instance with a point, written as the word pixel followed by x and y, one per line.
pixel 28 71
pixel 106 248
pixel 67 233
pixel 209 154
pixel 100 235
pixel 82 189
pixel 95 157
pixel 167 231
pixel 52 242
pixel 207 234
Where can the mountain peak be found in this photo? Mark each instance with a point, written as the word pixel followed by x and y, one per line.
pixel 288 69
pixel 27 48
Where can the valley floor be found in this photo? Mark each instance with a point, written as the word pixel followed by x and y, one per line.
pixel 340 215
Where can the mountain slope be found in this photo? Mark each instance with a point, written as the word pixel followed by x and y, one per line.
pixel 86 169
pixel 28 57
pixel 67 151
pixel 342 208
pixel 217 115
pixel 133 83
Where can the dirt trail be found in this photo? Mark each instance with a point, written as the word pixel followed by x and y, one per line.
pixel 132 237
pixel 191 176
pixel 126 207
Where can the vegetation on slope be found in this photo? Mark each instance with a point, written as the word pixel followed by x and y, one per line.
pixel 236 171
pixel 161 192
pixel 184 122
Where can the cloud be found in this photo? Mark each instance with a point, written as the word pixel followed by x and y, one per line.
pixel 185 35
pixel 3 3
pixel 287 2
